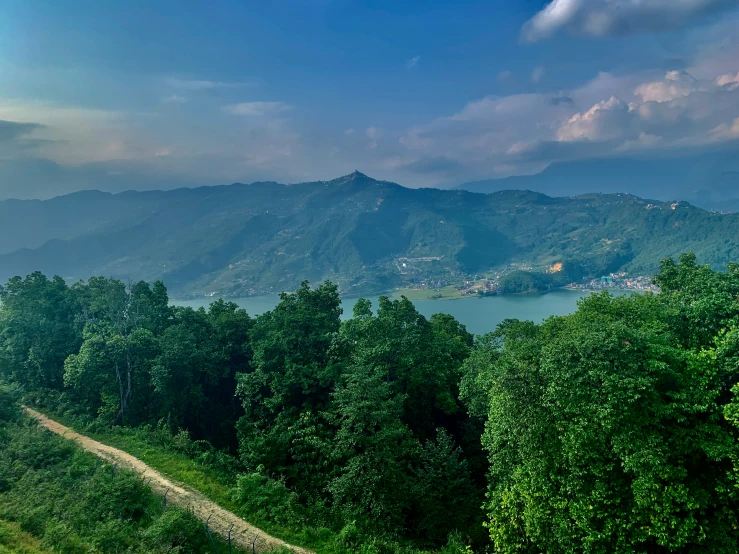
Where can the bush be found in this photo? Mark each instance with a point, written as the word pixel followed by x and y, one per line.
pixel 268 499
pixel 177 531
pixel 60 538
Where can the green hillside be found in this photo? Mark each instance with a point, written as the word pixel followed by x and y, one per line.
pixel 358 232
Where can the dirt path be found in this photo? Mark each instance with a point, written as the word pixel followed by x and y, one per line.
pixel 244 535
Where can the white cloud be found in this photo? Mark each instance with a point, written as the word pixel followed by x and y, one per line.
pixel 349 132
pixel 677 110
pixel 413 62
pixel 537 74
pixel 675 85
pixel 600 18
pixel 732 81
pixel 606 116
pixel 504 75
pixel 604 121
pixel 258 109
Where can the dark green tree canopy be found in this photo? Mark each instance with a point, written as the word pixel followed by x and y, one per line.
pixel 613 429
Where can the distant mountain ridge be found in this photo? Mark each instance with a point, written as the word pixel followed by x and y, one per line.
pixel 248 239
pixel 709 181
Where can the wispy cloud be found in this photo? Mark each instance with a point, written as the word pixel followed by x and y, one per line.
pixel 413 62
pixel 374 134
pixel 174 99
pixel 70 134
pixel 195 85
pixel 257 109
pixel 504 75
pixel 602 18
pixel 537 74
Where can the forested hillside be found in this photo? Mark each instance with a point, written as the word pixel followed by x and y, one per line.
pixel 613 429
pixel 355 231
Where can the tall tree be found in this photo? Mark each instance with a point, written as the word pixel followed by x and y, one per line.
pixel 37 329
pixel 292 374
pixel 419 360
pixel 120 322
pixel 110 373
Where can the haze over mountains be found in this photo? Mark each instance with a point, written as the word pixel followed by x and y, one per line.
pixel 364 234
pixel 709 180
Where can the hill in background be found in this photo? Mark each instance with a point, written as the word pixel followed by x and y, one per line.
pixel 710 181
pixel 366 235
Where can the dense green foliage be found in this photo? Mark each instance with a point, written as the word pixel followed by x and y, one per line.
pixel 607 430
pixel 614 429
pixel 335 424
pixel 246 239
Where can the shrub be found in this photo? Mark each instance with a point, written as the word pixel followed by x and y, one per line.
pixel 268 499
pixel 177 531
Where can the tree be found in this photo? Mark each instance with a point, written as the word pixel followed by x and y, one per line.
pixel 110 374
pixel 442 490
pixel 372 454
pixel 607 435
pixel 230 328
pixel 119 323
pixel 419 360
pixel 395 465
pixel 699 301
pixel 37 330
pixel 292 375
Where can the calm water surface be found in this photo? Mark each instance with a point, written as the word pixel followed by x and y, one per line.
pixel 480 315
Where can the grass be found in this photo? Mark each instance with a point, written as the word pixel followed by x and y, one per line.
pixel 212 483
pixel 15 541
pixel 66 471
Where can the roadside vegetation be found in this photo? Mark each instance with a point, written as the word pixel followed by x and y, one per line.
pixel 54 497
pixel 612 429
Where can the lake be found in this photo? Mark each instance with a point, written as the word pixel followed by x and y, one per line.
pixel 480 315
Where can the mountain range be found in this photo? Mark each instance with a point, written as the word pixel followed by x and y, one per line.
pixel 707 180
pixel 366 235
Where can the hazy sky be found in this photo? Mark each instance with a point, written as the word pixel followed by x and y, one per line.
pixel 140 94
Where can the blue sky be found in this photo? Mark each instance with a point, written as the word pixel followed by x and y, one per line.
pixel 120 95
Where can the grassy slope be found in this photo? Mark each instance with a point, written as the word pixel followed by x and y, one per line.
pixel 15 541
pixel 64 469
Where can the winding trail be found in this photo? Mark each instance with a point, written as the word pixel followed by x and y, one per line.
pixel 244 535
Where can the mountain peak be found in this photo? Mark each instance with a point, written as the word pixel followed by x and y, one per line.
pixel 356 176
